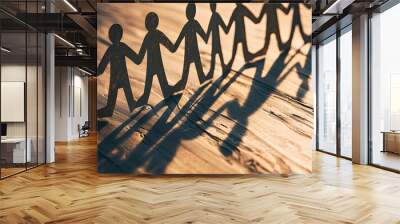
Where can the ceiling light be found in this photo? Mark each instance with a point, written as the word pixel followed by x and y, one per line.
pixel 65 41
pixel 5 50
pixel 84 71
pixel 337 7
pixel 70 5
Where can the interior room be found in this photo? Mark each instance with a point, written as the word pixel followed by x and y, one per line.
pixel 22 101
pixel 199 112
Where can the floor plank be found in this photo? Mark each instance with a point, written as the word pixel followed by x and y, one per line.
pixel 71 191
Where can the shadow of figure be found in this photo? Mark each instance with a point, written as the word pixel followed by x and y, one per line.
pixel 304 74
pixel 115 56
pixel 192 54
pixel 110 161
pixel 270 12
pixel 237 17
pixel 215 22
pixel 160 144
pixel 297 23
pixel 151 44
pixel 256 97
pixel 271 80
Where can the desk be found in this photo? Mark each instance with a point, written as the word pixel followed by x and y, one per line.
pixel 391 141
pixel 13 150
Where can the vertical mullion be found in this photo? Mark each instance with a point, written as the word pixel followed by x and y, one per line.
pixel 0 93
pixel 26 86
pixel 45 86
pixel 37 90
pixel 317 97
pixel 73 92
pixel 338 76
pixel 369 90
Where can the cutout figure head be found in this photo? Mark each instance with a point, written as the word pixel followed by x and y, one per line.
pixel 151 21
pixel 190 11
pixel 213 7
pixel 115 33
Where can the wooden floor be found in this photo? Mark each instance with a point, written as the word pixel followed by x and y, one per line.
pixel 386 159
pixel 71 191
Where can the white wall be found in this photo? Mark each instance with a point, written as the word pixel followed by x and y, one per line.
pixel 70 84
pixel 61 103
pixel 33 127
pixel 17 73
pixel 14 73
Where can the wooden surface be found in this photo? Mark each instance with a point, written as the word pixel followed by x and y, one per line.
pixel 71 191
pixel 391 142
pixel 257 118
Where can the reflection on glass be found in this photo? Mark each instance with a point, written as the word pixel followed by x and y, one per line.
pixel 346 94
pixel 327 96
pixel 385 89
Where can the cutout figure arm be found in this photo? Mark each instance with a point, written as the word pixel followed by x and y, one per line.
pixel 200 31
pixel 231 20
pixel 285 10
pixel 262 13
pixel 223 25
pixel 142 51
pixel 164 40
pixel 104 62
pixel 209 30
pixel 250 15
pixel 180 38
pixel 130 54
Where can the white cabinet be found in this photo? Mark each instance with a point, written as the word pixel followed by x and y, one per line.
pixel 19 155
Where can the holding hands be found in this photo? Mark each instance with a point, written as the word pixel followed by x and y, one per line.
pixel 117 52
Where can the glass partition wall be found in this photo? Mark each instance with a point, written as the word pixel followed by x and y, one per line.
pixel 385 89
pixel 22 77
pixel 334 93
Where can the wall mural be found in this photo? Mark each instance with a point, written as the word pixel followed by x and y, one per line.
pixel 204 88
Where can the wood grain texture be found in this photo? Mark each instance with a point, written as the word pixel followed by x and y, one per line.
pixel 255 118
pixel 71 191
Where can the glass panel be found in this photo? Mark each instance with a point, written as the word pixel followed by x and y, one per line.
pixel 31 99
pixel 346 94
pixel 385 84
pixel 41 99
pixel 23 85
pixel 13 86
pixel 327 96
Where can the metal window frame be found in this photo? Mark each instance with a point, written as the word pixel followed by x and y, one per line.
pixel 339 32
pixel 44 75
pixel 386 6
